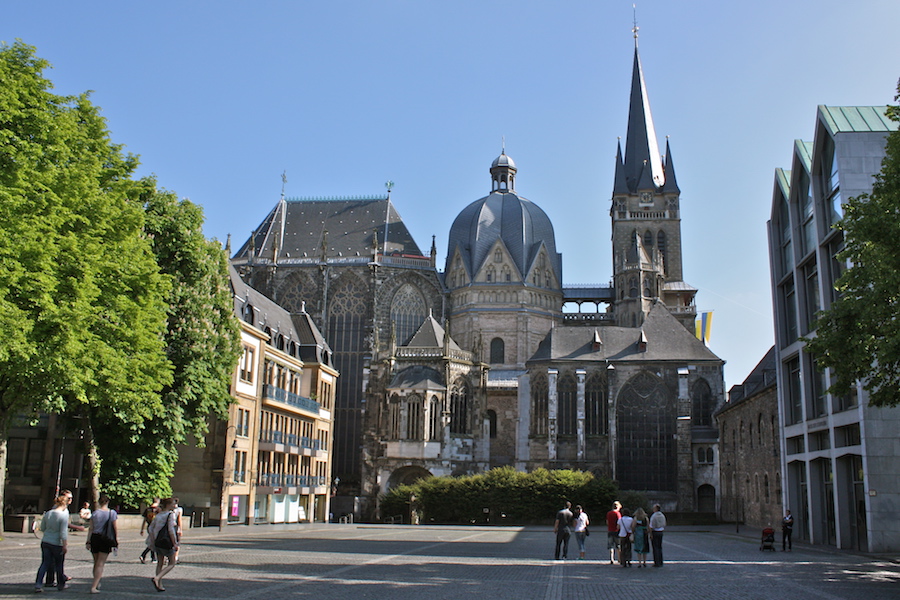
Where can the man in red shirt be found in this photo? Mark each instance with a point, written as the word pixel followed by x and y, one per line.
pixel 612 531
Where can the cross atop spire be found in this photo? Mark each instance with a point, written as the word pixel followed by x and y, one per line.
pixel 635 28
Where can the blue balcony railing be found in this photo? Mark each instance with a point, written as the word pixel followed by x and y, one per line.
pixel 284 480
pixel 276 393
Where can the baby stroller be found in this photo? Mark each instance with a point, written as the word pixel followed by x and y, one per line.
pixel 768 539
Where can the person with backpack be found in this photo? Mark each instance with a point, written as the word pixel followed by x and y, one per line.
pixel 163 538
pixel 149 514
pixel 102 538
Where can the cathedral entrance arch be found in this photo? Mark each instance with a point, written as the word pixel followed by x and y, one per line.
pixel 706 498
pixel 407 476
pixel 645 435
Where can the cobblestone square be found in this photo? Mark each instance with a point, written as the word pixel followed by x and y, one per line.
pixel 443 562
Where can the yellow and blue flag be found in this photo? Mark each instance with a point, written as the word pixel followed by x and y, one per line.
pixel 703 326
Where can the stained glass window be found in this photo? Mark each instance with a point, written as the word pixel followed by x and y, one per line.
pixel 645 445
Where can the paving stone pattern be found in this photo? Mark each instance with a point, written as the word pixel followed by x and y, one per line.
pixel 436 562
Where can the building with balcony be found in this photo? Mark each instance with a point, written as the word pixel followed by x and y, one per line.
pixel 271 461
pixel 839 454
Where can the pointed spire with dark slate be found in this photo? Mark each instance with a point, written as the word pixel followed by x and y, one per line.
pixel 641 145
pixel 671 185
pixel 620 186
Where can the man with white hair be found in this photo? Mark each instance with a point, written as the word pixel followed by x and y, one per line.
pixel 657 527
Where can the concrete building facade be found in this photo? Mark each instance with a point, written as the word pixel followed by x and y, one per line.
pixel 840 457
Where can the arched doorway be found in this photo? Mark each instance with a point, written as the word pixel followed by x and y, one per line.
pixel 706 498
pixel 407 475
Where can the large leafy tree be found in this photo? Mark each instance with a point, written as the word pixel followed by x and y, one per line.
pixel 858 337
pixel 202 342
pixel 82 300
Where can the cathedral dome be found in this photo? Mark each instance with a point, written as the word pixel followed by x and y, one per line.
pixel 503 161
pixel 520 224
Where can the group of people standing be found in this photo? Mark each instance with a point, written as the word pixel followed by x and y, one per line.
pixel 627 534
pixel 163 537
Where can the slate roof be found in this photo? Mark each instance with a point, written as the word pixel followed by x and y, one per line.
pixel 763 376
pixel 667 340
pixel 418 377
pixel 430 335
pixel 311 346
pixel 351 225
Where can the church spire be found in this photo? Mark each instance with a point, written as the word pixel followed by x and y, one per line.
pixel 670 185
pixel 641 146
pixel 620 185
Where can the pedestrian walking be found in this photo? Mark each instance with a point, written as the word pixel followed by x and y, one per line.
pixel 562 527
pixel 787 528
pixel 580 529
pixel 612 530
pixel 149 514
pixel 163 536
pixel 50 579
pixel 54 542
pixel 657 527
pixel 641 541
pixel 102 538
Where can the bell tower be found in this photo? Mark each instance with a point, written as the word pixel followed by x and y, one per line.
pixel 646 221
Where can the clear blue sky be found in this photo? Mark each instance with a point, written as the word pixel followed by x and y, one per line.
pixel 219 98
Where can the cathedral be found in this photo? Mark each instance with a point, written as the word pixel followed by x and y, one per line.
pixel 494 360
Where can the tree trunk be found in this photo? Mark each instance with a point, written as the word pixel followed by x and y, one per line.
pixel 93 460
pixel 3 440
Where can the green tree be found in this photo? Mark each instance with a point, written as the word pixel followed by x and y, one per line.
pixel 202 342
pixel 81 297
pixel 858 336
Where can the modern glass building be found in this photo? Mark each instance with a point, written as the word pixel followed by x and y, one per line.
pixel 840 456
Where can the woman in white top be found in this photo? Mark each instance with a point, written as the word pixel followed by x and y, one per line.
pixel 626 528
pixel 581 522
pixel 165 551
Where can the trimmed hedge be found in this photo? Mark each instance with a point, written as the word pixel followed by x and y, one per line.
pixel 501 495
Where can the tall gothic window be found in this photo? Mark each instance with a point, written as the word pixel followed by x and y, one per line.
pixel 595 405
pixel 539 401
pixel 413 417
pixel 459 408
pixel 408 312
pixel 567 396
pixel 648 239
pixel 498 351
pixel 434 418
pixel 645 444
pixel 661 242
pixel 703 404
pixel 393 418
pixel 346 333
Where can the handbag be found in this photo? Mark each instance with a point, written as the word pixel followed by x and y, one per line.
pixel 587 532
pixel 163 539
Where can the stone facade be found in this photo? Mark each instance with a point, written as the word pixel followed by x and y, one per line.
pixel 750 451
pixel 537 393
